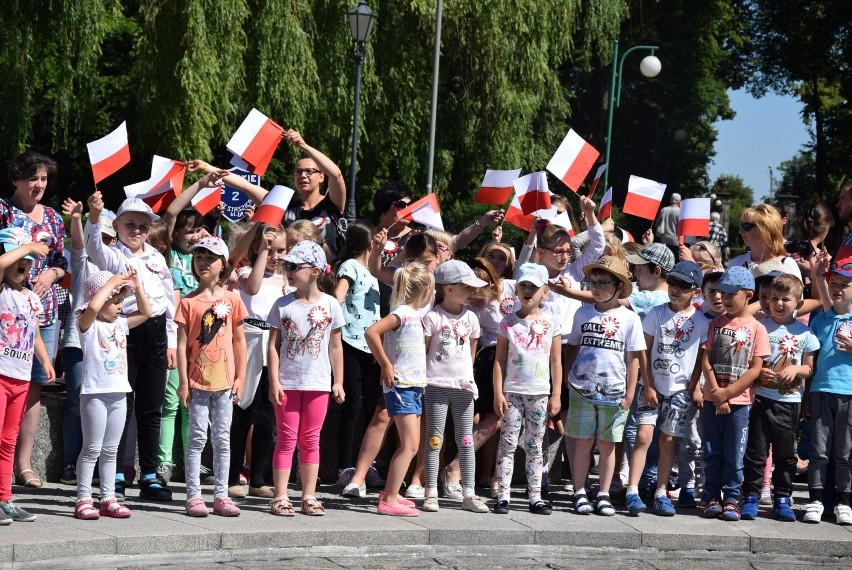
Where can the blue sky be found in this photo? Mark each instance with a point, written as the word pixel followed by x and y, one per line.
pixel 765 132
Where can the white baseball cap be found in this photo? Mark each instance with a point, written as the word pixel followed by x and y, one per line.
pixel 455 271
pixel 136 205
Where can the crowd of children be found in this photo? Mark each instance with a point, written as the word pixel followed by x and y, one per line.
pixel 653 366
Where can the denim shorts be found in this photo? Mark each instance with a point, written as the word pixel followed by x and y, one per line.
pixel 669 415
pixel 401 400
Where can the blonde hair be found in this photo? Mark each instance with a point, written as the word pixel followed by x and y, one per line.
pixel 236 231
pixel 158 238
pixel 443 237
pixel 613 247
pixel 306 230
pixel 770 226
pixel 410 282
pixel 709 249
pixel 254 246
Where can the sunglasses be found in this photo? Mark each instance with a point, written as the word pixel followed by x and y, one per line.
pixel 747 226
pixel 289 266
pixel 703 248
pixel 399 204
pixel 679 284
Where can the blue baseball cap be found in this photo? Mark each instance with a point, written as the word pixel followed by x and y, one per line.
pixel 15 237
pixel 533 273
pixel 688 271
pixel 734 279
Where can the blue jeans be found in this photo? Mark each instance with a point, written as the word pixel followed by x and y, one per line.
pixel 725 439
pixel 649 474
pixel 72 431
pixel 48 335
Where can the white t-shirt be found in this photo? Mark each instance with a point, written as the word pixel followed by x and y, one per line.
pixel 561 310
pixel 405 347
pixel 448 361
pixel 494 312
pixel 528 354
pixel 105 357
pixel 789 343
pixel 271 289
pixel 677 338
pixel 81 269
pixel 19 314
pixel 305 330
pixel 599 372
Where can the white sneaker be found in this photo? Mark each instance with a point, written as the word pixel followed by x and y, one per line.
pixel 813 512
pixel 353 490
pixel 373 479
pixel 843 514
pixel 474 504
pixel 415 492
pixel 451 490
pixel 765 496
pixel 344 476
pixel 430 504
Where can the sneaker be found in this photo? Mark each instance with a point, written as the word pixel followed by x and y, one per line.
pixel 730 512
pixel 16 513
pixel 783 510
pixel 540 508
pixel 813 512
pixel 225 507
pixel 635 505
pixel 344 476
pixel 474 504
pixel 843 515
pixel 196 507
pixel 373 479
pixel 765 496
pixel 582 506
pixel 153 488
pixel 712 510
pixel 69 475
pixel 663 506
pixel 568 487
pixel 686 498
pixel 207 477
pixel 237 492
pixel 353 490
pixel 397 510
pixel 749 508
pixel 165 471
pixel 415 492
pixel 430 504
pixel 451 490
pixel 4 518
pixel 501 507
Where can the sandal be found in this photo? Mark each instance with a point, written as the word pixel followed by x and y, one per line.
pixel 113 509
pixel 33 481
pixel 604 508
pixel 282 507
pixel 582 506
pixel 312 507
pixel 84 510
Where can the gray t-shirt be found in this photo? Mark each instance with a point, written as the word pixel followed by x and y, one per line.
pixel 666 228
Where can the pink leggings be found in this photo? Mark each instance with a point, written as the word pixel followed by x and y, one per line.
pixel 13 396
pixel 300 419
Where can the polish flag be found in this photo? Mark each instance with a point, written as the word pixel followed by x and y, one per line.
pixel 496 187
pixel 271 211
pixel 532 192
pixel 694 218
pixel 110 153
pixel 207 199
pixel 515 216
pixel 162 188
pixel 553 216
pixel 597 180
pixel 643 197
pixel 255 142
pixel 573 160
pixel 424 211
pixel 626 237
pixel 605 211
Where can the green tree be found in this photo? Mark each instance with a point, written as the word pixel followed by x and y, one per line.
pixel 741 197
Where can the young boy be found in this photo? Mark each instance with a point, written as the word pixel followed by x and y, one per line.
pixel 604 345
pixel 674 333
pixel 774 416
pixel 734 352
pixel 831 393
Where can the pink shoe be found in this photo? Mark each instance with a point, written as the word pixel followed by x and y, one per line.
pixel 196 508
pixel 112 508
pixel 225 507
pixel 401 500
pixel 399 510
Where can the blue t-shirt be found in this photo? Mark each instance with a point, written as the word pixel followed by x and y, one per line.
pixel 643 301
pixel 789 344
pixel 361 305
pixel 833 368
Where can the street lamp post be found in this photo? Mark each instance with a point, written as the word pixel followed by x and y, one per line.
pixel 649 66
pixel 361 23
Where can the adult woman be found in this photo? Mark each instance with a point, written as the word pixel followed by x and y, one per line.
pixel 817 221
pixel 30 174
pixel 760 228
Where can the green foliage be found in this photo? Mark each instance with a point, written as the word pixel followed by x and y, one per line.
pixel 741 197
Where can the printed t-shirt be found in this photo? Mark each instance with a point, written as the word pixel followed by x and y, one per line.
pixel 405 347
pixel 104 347
pixel 644 301
pixel 731 345
pixel 528 355
pixel 674 352
pixel 789 343
pixel 181 269
pixel 833 372
pixel 361 305
pixel 19 314
pixel 448 360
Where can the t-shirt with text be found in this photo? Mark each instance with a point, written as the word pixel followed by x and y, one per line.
pixel 674 352
pixel 731 345
pixel 19 315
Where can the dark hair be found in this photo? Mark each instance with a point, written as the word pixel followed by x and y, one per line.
pixel 158 238
pixel 26 165
pixel 389 193
pixel 711 277
pixel 485 271
pixel 419 244
pixel 226 267
pixel 359 234
pixel 188 218
pixel 816 220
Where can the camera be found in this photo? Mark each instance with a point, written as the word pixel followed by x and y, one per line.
pixel 800 247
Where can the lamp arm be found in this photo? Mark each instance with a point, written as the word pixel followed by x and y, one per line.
pixel 621 66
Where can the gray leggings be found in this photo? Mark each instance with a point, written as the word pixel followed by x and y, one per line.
pixel 102 417
pixel 213 409
pixel 460 402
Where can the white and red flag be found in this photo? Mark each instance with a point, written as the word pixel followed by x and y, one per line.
pixel 694 218
pixel 626 237
pixel 516 216
pixel 573 160
pixel 271 211
pixel 532 192
pixel 165 184
pixel 496 187
pixel 605 210
pixel 109 153
pixel 255 142
pixel 556 218
pixel 643 197
pixel 597 180
pixel 207 199
pixel 424 211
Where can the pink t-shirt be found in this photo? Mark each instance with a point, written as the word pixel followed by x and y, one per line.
pixel 731 345
pixel 449 363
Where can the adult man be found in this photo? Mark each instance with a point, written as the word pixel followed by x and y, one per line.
pixel 666 227
pixel 718 233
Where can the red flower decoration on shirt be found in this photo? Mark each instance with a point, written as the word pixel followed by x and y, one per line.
pixel 741 337
pixel 610 326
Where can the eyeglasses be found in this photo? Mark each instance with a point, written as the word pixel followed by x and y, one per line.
pixel 308 171
pixel 747 226
pixel 703 248
pixel 291 267
pixel 602 284
pixel 679 284
pixel 559 252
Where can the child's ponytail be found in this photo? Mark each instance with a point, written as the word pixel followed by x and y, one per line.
pixel 410 282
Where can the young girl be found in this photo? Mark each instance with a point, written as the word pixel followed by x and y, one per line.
pixel 358 293
pixel 104 386
pixel 20 309
pixel 212 368
pixel 452 331
pixel 527 385
pixel 259 285
pixel 402 357
pixel 305 348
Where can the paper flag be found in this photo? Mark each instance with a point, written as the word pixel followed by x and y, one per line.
pixel 255 142
pixel 496 187
pixel 207 199
pixel 643 197
pixel 165 183
pixel 694 217
pixel 532 192
pixel 110 153
pixel 271 211
pixel 424 211
pixel 597 180
pixel 605 210
pixel 573 160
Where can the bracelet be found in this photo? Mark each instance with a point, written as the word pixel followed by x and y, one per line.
pixel 58 275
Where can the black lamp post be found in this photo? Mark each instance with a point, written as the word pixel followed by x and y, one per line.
pixel 361 23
